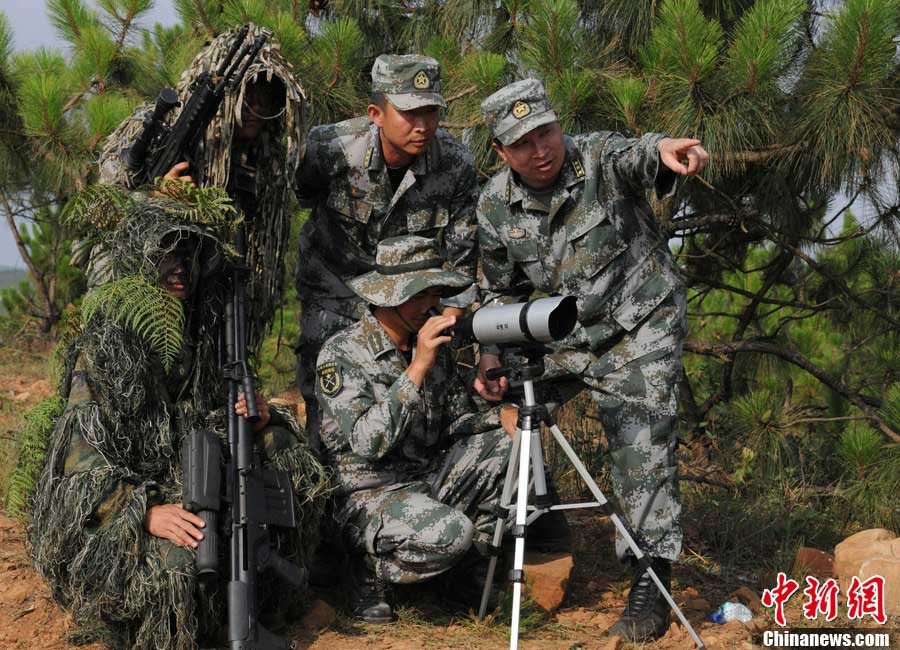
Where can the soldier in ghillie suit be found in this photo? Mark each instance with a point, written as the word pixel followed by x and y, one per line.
pixel 568 216
pixel 108 533
pixel 389 174
pixel 412 456
pixel 252 148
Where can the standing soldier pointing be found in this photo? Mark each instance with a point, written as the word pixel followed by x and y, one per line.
pixel 568 216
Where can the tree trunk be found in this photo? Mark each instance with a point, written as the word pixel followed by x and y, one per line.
pixel 50 315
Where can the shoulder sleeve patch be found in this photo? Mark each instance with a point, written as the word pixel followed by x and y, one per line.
pixel 331 381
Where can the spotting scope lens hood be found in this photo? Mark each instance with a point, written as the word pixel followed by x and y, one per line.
pixel 539 321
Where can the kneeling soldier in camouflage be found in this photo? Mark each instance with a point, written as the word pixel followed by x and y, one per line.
pixel 568 215
pixel 413 458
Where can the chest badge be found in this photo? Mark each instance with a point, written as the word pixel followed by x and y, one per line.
pixel 421 80
pixel 520 109
pixel 516 233
pixel 331 381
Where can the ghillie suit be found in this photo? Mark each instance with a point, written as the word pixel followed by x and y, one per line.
pixel 271 159
pixel 144 373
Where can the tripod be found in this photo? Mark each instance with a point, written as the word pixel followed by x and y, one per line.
pixel 527 446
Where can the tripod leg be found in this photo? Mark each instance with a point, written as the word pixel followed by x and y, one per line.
pixel 505 499
pixel 537 468
pixel 621 526
pixel 521 516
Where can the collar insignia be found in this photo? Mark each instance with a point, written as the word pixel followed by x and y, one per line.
pixel 578 167
pixel 520 109
pixel 421 80
pixel 368 158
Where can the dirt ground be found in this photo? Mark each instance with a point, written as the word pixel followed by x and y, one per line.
pixel 29 618
pixel 596 594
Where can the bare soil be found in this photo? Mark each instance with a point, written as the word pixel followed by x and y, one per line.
pixel 596 595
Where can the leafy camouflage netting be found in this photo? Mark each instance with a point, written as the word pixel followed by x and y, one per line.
pixel 39 422
pixel 115 450
pixel 280 148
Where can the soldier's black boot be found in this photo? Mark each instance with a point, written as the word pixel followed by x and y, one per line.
pixel 646 616
pixel 369 598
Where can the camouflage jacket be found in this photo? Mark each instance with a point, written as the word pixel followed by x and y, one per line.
pixel 345 179
pixel 598 241
pixel 378 427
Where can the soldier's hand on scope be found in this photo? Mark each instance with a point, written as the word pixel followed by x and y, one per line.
pixel 172 522
pixel 262 407
pixel 683 156
pixel 490 389
pixel 431 336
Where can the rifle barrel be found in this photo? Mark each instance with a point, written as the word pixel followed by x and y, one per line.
pixel 239 38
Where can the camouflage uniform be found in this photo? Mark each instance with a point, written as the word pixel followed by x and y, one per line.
pixel 345 179
pixel 115 452
pixel 592 236
pixel 412 465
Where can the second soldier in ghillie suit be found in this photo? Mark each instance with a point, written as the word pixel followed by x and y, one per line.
pixel 414 460
pixel 388 174
pixel 252 148
pixel 568 216
pixel 108 533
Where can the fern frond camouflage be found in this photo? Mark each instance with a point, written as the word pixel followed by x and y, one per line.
pixel 114 452
pixel 147 309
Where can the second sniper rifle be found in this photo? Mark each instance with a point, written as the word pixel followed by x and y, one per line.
pixel 158 147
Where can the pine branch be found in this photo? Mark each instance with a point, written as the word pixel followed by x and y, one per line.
pixel 49 316
pixel 462 93
pixel 865 403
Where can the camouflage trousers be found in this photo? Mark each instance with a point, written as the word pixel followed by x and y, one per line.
pixel 415 530
pixel 634 386
pixel 320 318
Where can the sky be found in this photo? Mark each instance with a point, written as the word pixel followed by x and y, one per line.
pixel 31 29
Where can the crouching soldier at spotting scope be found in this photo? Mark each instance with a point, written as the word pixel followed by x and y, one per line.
pixel 568 216
pixel 417 467
pixel 108 531
pixel 388 174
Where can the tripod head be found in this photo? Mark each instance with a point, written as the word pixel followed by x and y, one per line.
pixel 533 369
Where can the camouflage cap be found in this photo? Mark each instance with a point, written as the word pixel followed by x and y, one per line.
pixel 404 266
pixel 516 109
pixel 408 81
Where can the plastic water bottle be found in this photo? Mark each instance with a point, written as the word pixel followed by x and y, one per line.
pixel 731 612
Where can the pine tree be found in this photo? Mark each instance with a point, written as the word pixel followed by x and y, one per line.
pixel 794 327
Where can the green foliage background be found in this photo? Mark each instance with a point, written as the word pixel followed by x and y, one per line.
pixel 791 391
